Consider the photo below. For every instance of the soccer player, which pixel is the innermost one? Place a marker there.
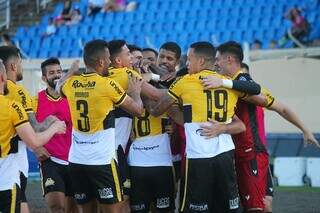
(53, 157)
(120, 71)
(151, 171)
(12, 60)
(15, 124)
(210, 182)
(150, 55)
(92, 97)
(136, 53)
(252, 163)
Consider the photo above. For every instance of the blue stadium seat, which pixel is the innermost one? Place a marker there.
(288, 147)
(33, 162)
(272, 144)
(62, 30)
(309, 151)
(43, 53)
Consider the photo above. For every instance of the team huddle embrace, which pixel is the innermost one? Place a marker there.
(122, 134)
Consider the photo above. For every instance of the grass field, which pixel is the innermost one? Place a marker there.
(286, 199)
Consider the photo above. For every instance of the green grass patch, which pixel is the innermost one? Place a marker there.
(297, 189)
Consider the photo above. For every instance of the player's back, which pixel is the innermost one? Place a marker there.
(91, 99)
(199, 105)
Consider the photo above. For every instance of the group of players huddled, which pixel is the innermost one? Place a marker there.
(123, 133)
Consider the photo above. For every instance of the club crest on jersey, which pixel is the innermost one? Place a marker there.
(89, 84)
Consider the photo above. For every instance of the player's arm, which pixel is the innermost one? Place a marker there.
(175, 113)
(243, 83)
(74, 70)
(132, 103)
(35, 140)
(213, 128)
(288, 114)
(151, 92)
(40, 127)
(161, 106)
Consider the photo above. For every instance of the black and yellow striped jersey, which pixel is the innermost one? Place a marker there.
(148, 125)
(199, 104)
(240, 75)
(20, 94)
(12, 116)
(91, 99)
(121, 75)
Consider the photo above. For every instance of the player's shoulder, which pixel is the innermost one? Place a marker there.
(242, 76)
(179, 80)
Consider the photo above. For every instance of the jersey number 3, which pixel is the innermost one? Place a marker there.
(83, 124)
(220, 105)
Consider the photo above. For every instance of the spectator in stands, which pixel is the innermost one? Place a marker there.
(256, 45)
(66, 14)
(114, 5)
(95, 6)
(6, 40)
(75, 18)
(299, 29)
(273, 44)
(50, 29)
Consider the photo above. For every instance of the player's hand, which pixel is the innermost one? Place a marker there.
(142, 66)
(212, 129)
(309, 138)
(211, 82)
(169, 76)
(169, 129)
(147, 76)
(75, 68)
(52, 118)
(135, 84)
(60, 127)
(42, 154)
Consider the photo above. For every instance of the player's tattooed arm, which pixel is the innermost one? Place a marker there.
(288, 114)
(40, 127)
(161, 106)
(175, 113)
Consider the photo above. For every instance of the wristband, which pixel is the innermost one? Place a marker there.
(155, 77)
(227, 83)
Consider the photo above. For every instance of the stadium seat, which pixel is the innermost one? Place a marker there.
(290, 171)
(288, 147)
(309, 151)
(313, 171)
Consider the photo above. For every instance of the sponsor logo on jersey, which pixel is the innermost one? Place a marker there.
(247, 197)
(89, 84)
(118, 90)
(49, 182)
(203, 207)
(18, 110)
(163, 202)
(79, 196)
(23, 98)
(146, 148)
(105, 193)
(234, 204)
(138, 207)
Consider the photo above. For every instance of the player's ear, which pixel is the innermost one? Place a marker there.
(44, 78)
(202, 60)
(117, 60)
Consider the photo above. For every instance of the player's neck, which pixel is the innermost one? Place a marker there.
(11, 77)
(52, 92)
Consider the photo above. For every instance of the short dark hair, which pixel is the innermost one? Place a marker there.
(133, 48)
(244, 66)
(233, 48)
(151, 50)
(49, 61)
(205, 49)
(115, 47)
(93, 50)
(7, 52)
(173, 47)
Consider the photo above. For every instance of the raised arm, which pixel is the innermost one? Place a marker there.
(74, 70)
(158, 108)
(288, 114)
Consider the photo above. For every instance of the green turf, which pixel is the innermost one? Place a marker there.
(297, 189)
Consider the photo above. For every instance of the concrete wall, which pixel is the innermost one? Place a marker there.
(294, 82)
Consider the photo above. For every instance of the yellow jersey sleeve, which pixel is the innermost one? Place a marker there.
(269, 96)
(176, 89)
(18, 114)
(116, 92)
(35, 103)
(26, 100)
